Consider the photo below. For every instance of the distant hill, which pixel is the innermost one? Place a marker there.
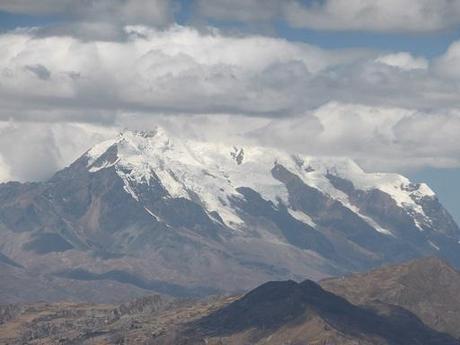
(427, 287)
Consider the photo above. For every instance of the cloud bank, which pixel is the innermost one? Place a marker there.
(62, 91)
(183, 70)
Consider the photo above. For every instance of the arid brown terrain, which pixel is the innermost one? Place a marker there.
(427, 287)
(413, 303)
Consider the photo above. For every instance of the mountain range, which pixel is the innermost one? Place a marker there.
(149, 211)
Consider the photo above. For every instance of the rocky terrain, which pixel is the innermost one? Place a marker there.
(426, 287)
(378, 312)
(147, 212)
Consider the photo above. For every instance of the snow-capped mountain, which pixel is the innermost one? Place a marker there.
(212, 173)
(182, 217)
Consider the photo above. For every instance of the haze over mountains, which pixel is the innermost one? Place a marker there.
(147, 211)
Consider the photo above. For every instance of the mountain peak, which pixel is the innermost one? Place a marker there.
(152, 135)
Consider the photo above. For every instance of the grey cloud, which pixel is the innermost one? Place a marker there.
(239, 10)
(30, 7)
(344, 15)
(127, 11)
(94, 19)
(150, 12)
(409, 16)
(375, 15)
(39, 70)
(84, 30)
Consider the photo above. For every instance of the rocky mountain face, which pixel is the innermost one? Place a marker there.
(280, 312)
(156, 213)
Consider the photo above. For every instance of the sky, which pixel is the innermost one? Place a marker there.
(374, 80)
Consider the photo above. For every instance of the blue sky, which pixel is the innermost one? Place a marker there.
(378, 81)
(428, 45)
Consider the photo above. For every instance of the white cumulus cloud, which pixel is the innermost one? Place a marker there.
(177, 70)
(59, 94)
